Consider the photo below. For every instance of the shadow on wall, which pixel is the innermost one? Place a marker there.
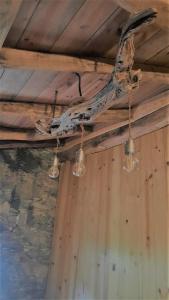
(27, 202)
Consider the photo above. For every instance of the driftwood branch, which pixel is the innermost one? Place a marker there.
(123, 79)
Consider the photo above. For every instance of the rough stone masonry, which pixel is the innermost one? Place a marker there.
(27, 207)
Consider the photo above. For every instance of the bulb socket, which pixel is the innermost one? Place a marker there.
(81, 155)
(129, 147)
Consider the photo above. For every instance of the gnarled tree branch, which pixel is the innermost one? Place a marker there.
(123, 79)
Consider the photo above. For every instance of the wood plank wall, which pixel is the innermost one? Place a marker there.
(110, 238)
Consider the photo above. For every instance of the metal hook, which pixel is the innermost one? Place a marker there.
(54, 104)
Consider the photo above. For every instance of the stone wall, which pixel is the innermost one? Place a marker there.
(27, 206)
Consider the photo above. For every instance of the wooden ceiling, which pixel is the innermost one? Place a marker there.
(80, 28)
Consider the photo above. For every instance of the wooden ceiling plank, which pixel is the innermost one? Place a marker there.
(94, 87)
(144, 109)
(29, 60)
(27, 9)
(61, 82)
(148, 89)
(91, 84)
(107, 36)
(162, 57)
(8, 12)
(112, 116)
(12, 81)
(68, 90)
(151, 47)
(37, 82)
(84, 24)
(161, 6)
(57, 15)
(156, 103)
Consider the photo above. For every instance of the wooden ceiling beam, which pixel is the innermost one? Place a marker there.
(9, 134)
(155, 121)
(118, 118)
(27, 144)
(29, 60)
(24, 116)
(23, 59)
(144, 109)
(162, 7)
(8, 12)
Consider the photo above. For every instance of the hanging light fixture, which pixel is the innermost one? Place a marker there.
(79, 168)
(43, 125)
(131, 161)
(54, 170)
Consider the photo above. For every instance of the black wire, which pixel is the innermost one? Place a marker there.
(54, 106)
(79, 83)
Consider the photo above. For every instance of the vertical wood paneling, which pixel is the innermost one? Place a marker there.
(111, 235)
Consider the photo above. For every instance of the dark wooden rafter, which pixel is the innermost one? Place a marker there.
(151, 122)
(123, 80)
(112, 120)
(24, 115)
(39, 61)
(14, 144)
(8, 134)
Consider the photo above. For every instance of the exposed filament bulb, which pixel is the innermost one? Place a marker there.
(79, 168)
(54, 170)
(131, 161)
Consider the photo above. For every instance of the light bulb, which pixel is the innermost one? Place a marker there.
(131, 161)
(54, 170)
(79, 168)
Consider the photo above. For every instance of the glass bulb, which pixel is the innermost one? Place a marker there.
(54, 170)
(131, 161)
(79, 168)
